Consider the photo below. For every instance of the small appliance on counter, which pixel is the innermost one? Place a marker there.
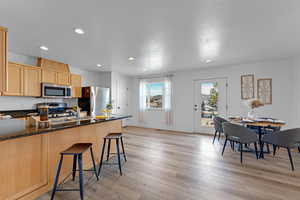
(53, 113)
(94, 99)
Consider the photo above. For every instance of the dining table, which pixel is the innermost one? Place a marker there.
(260, 124)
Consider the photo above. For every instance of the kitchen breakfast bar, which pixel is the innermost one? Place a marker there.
(29, 156)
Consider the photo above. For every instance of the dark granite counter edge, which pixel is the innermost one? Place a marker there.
(31, 132)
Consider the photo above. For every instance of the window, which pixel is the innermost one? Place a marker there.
(155, 95)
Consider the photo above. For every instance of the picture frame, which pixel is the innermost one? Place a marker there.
(264, 90)
(247, 86)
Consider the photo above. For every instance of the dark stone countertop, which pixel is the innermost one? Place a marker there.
(15, 128)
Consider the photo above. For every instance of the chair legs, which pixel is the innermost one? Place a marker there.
(274, 149)
(256, 151)
(219, 136)
(224, 146)
(241, 148)
(291, 159)
(215, 136)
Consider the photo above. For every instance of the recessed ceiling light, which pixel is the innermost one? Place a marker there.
(131, 58)
(79, 31)
(44, 48)
(99, 65)
(208, 61)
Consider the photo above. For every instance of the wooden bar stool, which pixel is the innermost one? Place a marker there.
(76, 151)
(109, 137)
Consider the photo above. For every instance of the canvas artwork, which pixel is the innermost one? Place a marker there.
(264, 90)
(247, 86)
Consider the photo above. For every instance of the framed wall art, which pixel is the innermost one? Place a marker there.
(247, 86)
(264, 90)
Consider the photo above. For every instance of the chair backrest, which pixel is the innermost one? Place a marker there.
(286, 138)
(218, 121)
(239, 132)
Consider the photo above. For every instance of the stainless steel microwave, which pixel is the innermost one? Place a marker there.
(56, 91)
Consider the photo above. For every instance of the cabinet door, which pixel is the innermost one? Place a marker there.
(63, 78)
(76, 85)
(49, 76)
(14, 82)
(3, 58)
(32, 81)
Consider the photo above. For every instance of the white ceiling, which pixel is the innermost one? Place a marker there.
(163, 35)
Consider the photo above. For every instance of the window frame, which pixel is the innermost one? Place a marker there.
(148, 108)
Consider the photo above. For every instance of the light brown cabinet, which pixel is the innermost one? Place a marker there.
(63, 78)
(32, 81)
(76, 85)
(22, 80)
(49, 76)
(14, 80)
(3, 58)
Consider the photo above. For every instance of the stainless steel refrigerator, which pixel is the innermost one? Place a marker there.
(94, 99)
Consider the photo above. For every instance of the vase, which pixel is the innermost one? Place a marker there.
(251, 114)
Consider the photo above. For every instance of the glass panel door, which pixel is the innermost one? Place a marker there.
(210, 101)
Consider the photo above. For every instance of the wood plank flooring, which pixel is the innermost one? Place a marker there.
(165, 165)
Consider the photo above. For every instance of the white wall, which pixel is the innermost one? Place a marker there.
(295, 105)
(89, 78)
(121, 92)
(19, 103)
(280, 71)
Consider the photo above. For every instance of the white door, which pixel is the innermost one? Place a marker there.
(210, 100)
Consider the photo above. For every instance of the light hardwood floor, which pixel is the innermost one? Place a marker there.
(166, 165)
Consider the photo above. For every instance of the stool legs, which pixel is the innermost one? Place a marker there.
(108, 150)
(94, 164)
(80, 177)
(123, 149)
(102, 155)
(74, 167)
(119, 158)
(57, 177)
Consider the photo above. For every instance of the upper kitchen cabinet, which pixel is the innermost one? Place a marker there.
(63, 78)
(14, 82)
(49, 76)
(76, 85)
(32, 81)
(3, 58)
(54, 72)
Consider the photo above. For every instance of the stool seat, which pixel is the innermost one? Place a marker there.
(76, 151)
(113, 136)
(77, 148)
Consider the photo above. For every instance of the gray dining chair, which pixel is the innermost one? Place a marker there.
(218, 121)
(241, 135)
(288, 139)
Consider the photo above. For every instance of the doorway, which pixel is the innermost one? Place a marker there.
(210, 99)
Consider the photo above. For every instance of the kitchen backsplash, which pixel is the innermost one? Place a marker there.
(22, 103)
